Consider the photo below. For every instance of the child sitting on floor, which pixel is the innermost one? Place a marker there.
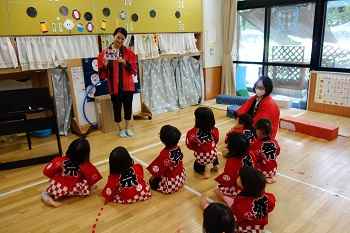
(168, 172)
(70, 175)
(203, 140)
(126, 182)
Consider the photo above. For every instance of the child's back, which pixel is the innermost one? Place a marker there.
(251, 213)
(126, 182)
(266, 150)
(203, 140)
(128, 187)
(168, 172)
(252, 205)
(71, 175)
(237, 158)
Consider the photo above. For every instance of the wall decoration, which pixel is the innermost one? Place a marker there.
(103, 25)
(32, 12)
(63, 10)
(178, 14)
(89, 27)
(80, 27)
(68, 24)
(152, 13)
(43, 27)
(106, 12)
(123, 15)
(76, 14)
(134, 17)
(88, 16)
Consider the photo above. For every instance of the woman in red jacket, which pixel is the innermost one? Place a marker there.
(117, 64)
(262, 106)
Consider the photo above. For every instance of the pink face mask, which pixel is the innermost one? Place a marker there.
(259, 92)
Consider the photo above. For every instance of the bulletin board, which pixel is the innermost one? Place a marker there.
(70, 17)
(329, 93)
(78, 92)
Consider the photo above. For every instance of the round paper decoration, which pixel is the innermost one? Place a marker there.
(32, 12)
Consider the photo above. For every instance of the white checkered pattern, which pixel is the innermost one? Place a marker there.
(228, 191)
(142, 196)
(57, 190)
(250, 229)
(206, 158)
(270, 174)
(171, 185)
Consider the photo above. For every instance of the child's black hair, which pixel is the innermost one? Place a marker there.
(246, 120)
(265, 126)
(169, 135)
(205, 119)
(237, 145)
(253, 182)
(79, 151)
(218, 218)
(119, 160)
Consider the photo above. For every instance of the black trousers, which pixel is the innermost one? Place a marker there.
(200, 169)
(124, 99)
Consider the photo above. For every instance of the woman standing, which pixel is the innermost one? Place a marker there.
(117, 64)
(262, 106)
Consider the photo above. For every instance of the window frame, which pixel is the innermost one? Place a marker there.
(317, 35)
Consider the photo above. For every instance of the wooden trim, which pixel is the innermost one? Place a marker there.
(323, 108)
(212, 82)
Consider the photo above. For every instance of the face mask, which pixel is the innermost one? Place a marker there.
(259, 92)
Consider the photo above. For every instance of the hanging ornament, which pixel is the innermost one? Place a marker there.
(68, 24)
(76, 14)
(89, 27)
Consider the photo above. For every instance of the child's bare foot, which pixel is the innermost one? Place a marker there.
(204, 202)
(215, 168)
(45, 197)
(271, 180)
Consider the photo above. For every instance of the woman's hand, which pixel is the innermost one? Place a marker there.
(121, 60)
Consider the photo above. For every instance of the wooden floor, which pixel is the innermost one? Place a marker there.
(312, 188)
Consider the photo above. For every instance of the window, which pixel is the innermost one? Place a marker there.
(251, 35)
(291, 31)
(246, 75)
(336, 46)
(290, 81)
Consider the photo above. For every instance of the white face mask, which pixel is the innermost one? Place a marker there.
(259, 92)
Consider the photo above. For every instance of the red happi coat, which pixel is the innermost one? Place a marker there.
(66, 175)
(266, 152)
(227, 180)
(249, 134)
(169, 167)
(267, 109)
(129, 187)
(205, 150)
(251, 213)
(105, 73)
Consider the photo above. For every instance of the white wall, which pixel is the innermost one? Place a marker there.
(213, 30)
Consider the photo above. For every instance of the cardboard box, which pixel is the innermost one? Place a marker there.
(105, 118)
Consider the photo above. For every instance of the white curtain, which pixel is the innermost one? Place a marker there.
(48, 52)
(8, 58)
(228, 86)
(146, 46)
(177, 43)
